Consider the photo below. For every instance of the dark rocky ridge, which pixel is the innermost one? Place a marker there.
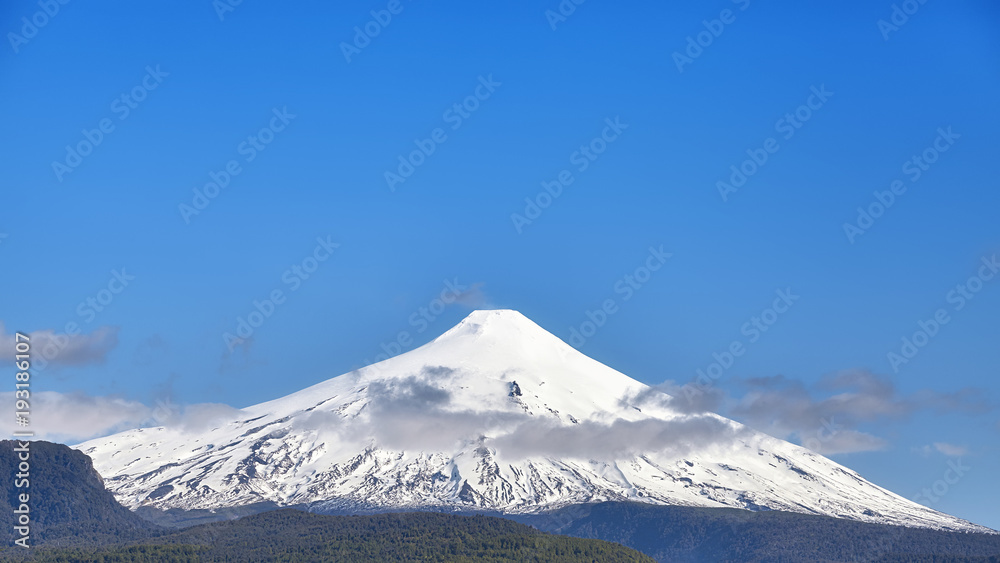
(68, 502)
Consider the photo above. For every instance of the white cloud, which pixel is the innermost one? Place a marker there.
(417, 413)
(621, 438)
(75, 417)
(474, 297)
(846, 442)
(950, 449)
(59, 349)
(826, 417)
(191, 418)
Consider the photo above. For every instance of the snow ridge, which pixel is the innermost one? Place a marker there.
(498, 414)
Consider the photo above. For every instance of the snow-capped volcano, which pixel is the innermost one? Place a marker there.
(494, 414)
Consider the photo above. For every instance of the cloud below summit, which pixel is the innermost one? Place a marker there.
(418, 413)
(75, 417)
(828, 416)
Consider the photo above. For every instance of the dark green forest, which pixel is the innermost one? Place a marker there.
(74, 518)
(68, 500)
(294, 536)
(688, 534)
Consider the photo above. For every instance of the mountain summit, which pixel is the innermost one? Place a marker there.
(494, 414)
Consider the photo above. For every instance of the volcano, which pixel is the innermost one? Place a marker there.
(495, 415)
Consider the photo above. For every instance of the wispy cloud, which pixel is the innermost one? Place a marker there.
(192, 418)
(75, 417)
(842, 441)
(617, 439)
(60, 349)
(474, 297)
(240, 358)
(678, 398)
(417, 413)
(950, 450)
(851, 398)
(830, 416)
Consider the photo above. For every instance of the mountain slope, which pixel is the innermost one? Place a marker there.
(688, 534)
(67, 500)
(290, 535)
(495, 414)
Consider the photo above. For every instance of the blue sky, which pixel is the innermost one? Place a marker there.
(204, 92)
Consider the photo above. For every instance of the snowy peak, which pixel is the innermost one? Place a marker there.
(502, 327)
(496, 413)
(491, 350)
(498, 320)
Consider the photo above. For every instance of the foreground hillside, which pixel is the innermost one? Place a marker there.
(292, 536)
(691, 534)
(664, 534)
(68, 502)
